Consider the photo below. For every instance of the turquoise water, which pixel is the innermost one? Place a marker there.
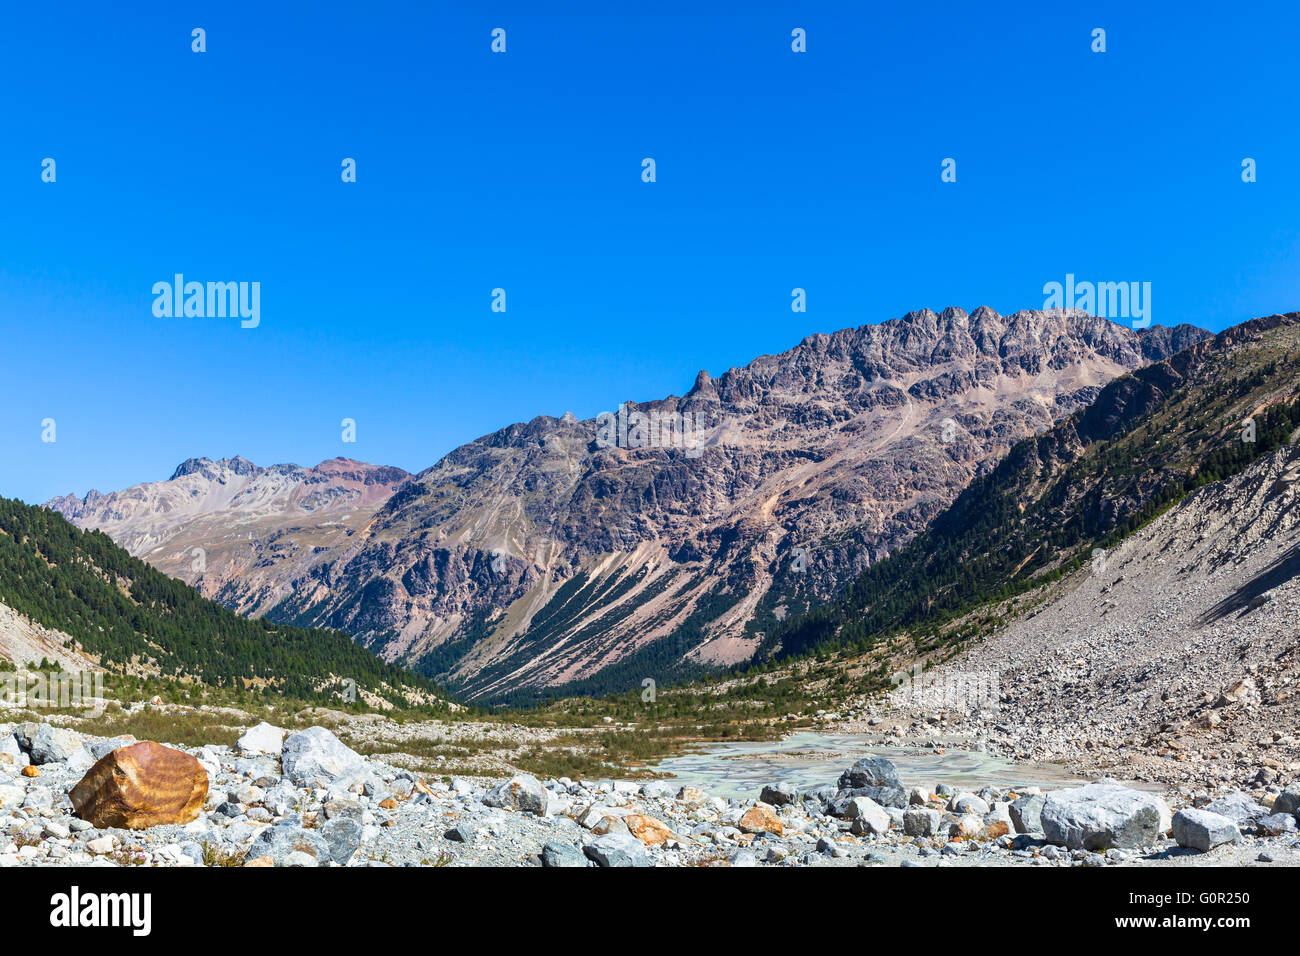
(813, 760)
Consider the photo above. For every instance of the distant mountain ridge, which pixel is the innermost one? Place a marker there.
(540, 557)
(214, 521)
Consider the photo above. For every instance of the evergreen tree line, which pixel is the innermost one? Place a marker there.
(127, 613)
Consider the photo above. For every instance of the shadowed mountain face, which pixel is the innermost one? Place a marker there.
(672, 536)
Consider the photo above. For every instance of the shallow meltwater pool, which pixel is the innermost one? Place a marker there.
(812, 760)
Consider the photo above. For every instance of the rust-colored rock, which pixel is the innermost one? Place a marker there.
(30, 772)
(649, 830)
(141, 786)
(260, 861)
(761, 818)
(388, 804)
(609, 823)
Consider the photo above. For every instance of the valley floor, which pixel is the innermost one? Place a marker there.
(355, 810)
(1172, 665)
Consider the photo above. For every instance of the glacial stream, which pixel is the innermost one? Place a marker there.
(812, 760)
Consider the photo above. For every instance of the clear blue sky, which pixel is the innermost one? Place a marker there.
(523, 171)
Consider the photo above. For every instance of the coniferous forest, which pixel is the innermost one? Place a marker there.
(134, 619)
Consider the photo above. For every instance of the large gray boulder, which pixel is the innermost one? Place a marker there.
(617, 849)
(1240, 808)
(1276, 824)
(1101, 816)
(870, 772)
(779, 794)
(17, 757)
(315, 755)
(523, 794)
(1288, 801)
(262, 739)
(868, 817)
(885, 796)
(45, 744)
(1027, 814)
(1203, 830)
(80, 761)
(280, 842)
(921, 822)
(964, 803)
(562, 855)
(343, 835)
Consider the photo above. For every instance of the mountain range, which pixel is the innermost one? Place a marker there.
(1065, 498)
(677, 536)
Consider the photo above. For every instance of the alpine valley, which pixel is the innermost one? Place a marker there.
(545, 558)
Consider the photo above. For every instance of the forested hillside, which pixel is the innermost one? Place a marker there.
(1149, 439)
(135, 619)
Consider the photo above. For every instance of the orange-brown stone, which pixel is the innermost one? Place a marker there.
(649, 830)
(761, 818)
(30, 771)
(141, 786)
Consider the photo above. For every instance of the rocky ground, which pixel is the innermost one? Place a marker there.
(305, 799)
(1174, 660)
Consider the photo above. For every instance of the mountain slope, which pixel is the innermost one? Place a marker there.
(543, 556)
(23, 642)
(214, 522)
(128, 617)
(664, 542)
(1148, 439)
(1177, 661)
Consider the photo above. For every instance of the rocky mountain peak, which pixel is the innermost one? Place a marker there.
(191, 466)
(208, 468)
(703, 388)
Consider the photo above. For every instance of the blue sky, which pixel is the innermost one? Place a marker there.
(523, 171)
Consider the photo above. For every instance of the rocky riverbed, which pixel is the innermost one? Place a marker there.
(306, 799)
